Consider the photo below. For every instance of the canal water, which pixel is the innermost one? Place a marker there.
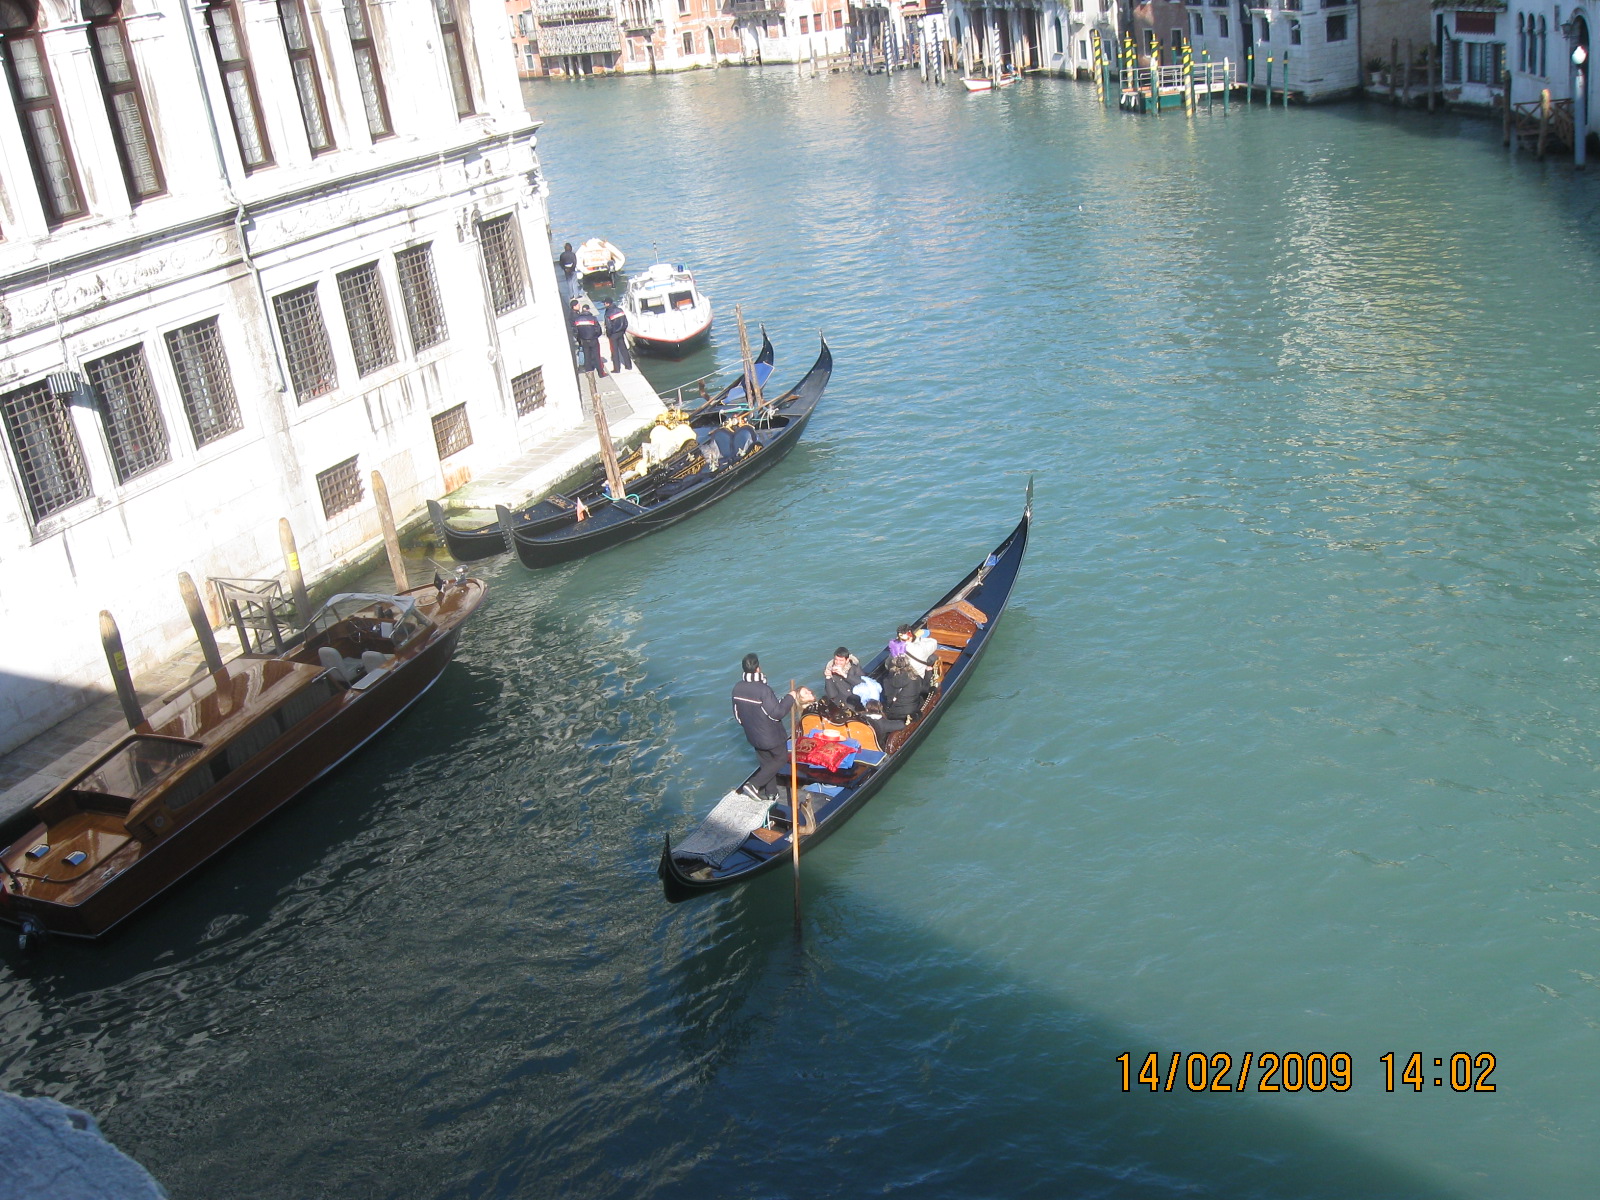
(1285, 747)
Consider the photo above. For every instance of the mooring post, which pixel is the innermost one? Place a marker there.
(1286, 80)
(201, 622)
(1544, 121)
(391, 538)
(1269, 81)
(1249, 76)
(1505, 83)
(1394, 67)
(291, 564)
(121, 677)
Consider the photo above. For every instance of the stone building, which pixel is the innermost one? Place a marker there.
(250, 251)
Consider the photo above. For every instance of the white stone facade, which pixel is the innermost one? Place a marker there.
(332, 259)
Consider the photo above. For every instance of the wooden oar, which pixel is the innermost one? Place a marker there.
(752, 386)
(794, 788)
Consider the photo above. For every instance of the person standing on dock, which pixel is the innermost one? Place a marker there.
(759, 711)
(617, 332)
(569, 268)
(586, 328)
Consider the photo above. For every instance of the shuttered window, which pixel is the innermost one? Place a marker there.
(125, 105)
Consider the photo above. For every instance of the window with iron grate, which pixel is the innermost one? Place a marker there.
(366, 313)
(204, 381)
(49, 457)
(127, 402)
(502, 260)
(527, 390)
(419, 290)
(368, 71)
(305, 343)
(340, 487)
(451, 433)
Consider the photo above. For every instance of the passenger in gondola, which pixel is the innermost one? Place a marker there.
(761, 714)
(841, 675)
(903, 693)
(922, 650)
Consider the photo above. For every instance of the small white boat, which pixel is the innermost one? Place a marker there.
(666, 312)
(599, 257)
(977, 85)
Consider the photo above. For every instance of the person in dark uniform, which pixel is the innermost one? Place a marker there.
(586, 328)
(759, 711)
(569, 266)
(617, 331)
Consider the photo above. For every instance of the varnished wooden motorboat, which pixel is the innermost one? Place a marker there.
(486, 538)
(723, 852)
(696, 477)
(222, 755)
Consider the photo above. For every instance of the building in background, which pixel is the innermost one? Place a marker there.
(249, 253)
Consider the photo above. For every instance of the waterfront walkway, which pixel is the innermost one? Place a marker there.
(37, 766)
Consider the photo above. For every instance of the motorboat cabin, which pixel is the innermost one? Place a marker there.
(667, 314)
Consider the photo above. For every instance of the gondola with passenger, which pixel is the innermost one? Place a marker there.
(745, 836)
(720, 459)
(488, 538)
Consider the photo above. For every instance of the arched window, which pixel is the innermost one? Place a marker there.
(114, 70)
(303, 64)
(1056, 28)
(1522, 42)
(1543, 34)
(28, 76)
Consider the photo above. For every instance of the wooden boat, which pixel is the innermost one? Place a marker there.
(977, 85)
(599, 263)
(701, 474)
(667, 314)
(488, 537)
(740, 840)
(224, 754)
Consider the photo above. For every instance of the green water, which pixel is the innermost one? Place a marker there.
(1284, 746)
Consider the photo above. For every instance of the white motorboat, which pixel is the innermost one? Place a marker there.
(666, 312)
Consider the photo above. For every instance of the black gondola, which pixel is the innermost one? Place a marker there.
(697, 476)
(722, 853)
(488, 538)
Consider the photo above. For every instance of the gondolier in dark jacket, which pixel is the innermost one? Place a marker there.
(759, 711)
(586, 328)
(617, 331)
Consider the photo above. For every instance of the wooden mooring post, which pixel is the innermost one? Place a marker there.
(121, 677)
(391, 537)
(291, 566)
(201, 622)
(1544, 121)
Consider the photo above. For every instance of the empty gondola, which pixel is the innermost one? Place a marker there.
(484, 538)
(719, 461)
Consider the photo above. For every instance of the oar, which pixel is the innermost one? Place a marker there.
(794, 790)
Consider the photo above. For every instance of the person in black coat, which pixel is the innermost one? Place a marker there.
(840, 676)
(903, 693)
(586, 328)
(569, 266)
(617, 332)
(761, 714)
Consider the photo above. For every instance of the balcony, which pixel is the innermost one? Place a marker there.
(553, 11)
(589, 37)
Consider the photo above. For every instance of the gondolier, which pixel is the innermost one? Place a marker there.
(761, 714)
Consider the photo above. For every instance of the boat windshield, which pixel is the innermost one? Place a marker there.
(392, 617)
(682, 299)
(135, 768)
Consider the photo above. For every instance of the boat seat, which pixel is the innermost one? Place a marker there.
(374, 666)
(345, 670)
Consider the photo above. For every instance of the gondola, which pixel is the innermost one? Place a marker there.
(704, 472)
(488, 538)
(741, 838)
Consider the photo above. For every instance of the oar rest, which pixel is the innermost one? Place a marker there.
(954, 625)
